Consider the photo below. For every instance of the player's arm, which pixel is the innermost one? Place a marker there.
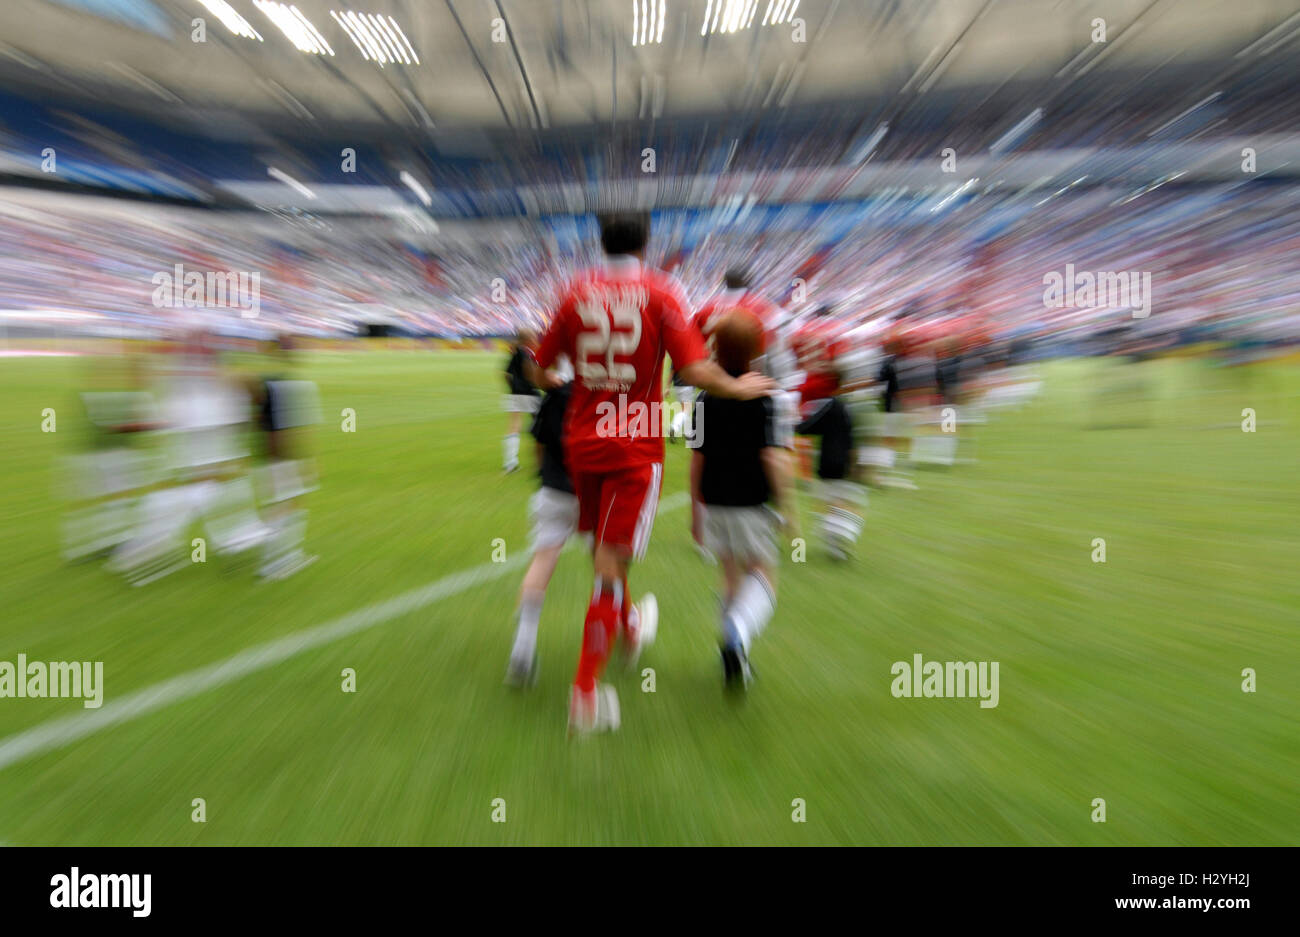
(697, 472)
(709, 376)
(685, 346)
(540, 377)
(554, 342)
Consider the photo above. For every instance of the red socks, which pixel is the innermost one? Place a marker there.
(605, 614)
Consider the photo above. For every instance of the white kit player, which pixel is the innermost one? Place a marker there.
(285, 409)
(204, 418)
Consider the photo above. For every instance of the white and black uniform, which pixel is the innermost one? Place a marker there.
(554, 507)
(521, 396)
(287, 406)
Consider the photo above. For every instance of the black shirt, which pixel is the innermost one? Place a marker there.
(515, 375)
(831, 421)
(732, 435)
(889, 377)
(548, 429)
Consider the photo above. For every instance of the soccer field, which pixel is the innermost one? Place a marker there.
(1119, 680)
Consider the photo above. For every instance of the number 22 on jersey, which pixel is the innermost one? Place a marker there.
(611, 327)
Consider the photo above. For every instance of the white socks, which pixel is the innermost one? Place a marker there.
(752, 608)
(229, 515)
(530, 616)
(838, 523)
(511, 451)
(285, 538)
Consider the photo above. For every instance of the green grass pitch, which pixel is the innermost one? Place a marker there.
(1120, 681)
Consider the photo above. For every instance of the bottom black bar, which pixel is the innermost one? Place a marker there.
(299, 886)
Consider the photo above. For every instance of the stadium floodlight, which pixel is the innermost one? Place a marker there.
(413, 184)
(281, 176)
(296, 27)
(648, 21)
(231, 19)
(378, 38)
(731, 16)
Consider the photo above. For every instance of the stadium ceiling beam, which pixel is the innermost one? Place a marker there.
(562, 61)
(751, 80)
(505, 113)
(328, 66)
(407, 94)
(523, 72)
(1216, 84)
(1102, 50)
(926, 74)
(47, 73)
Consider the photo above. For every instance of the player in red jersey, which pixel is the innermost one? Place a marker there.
(737, 294)
(827, 359)
(818, 343)
(615, 324)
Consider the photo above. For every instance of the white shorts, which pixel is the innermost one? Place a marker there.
(520, 403)
(743, 534)
(554, 514)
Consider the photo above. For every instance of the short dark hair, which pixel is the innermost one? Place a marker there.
(736, 278)
(625, 232)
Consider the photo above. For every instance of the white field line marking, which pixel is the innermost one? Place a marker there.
(63, 731)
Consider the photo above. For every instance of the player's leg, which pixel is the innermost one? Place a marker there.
(819, 420)
(155, 547)
(640, 620)
(731, 573)
(510, 445)
(787, 421)
(621, 522)
(286, 484)
(103, 486)
(600, 625)
(753, 553)
(522, 670)
(594, 706)
(227, 505)
(842, 519)
(729, 640)
(555, 517)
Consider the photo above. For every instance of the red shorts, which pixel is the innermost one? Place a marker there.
(618, 508)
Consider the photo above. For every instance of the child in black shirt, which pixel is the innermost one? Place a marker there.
(739, 473)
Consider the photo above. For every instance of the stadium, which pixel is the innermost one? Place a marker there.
(966, 513)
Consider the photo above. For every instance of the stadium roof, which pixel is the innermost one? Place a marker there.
(484, 65)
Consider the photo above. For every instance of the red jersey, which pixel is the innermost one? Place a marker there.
(817, 343)
(615, 324)
(706, 320)
(908, 338)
